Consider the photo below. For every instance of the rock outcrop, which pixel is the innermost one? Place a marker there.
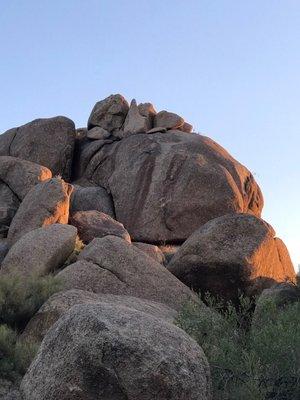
(48, 142)
(231, 253)
(112, 351)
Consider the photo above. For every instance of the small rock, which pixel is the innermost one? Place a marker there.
(91, 198)
(109, 113)
(152, 251)
(40, 251)
(98, 133)
(188, 128)
(168, 120)
(157, 129)
(135, 122)
(94, 224)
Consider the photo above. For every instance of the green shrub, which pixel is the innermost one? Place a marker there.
(20, 298)
(248, 364)
(15, 355)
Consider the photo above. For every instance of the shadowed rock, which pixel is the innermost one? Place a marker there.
(48, 142)
(40, 251)
(109, 113)
(109, 351)
(94, 224)
(230, 253)
(91, 198)
(112, 265)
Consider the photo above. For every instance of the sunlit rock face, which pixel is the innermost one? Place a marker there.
(232, 253)
(47, 203)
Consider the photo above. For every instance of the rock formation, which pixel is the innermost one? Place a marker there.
(161, 210)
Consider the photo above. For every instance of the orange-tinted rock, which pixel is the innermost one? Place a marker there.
(47, 203)
(231, 253)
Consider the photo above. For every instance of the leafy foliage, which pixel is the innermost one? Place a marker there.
(248, 363)
(15, 355)
(20, 298)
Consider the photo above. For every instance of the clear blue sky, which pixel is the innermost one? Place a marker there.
(232, 68)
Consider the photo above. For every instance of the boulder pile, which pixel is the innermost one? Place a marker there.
(161, 212)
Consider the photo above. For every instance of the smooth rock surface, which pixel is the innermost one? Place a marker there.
(113, 266)
(166, 185)
(97, 133)
(48, 142)
(113, 352)
(230, 253)
(47, 203)
(59, 303)
(95, 224)
(135, 122)
(168, 120)
(109, 113)
(91, 198)
(40, 251)
(21, 175)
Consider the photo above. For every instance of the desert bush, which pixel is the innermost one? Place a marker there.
(248, 364)
(15, 355)
(20, 298)
(79, 246)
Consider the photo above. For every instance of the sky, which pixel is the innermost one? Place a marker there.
(231, 68)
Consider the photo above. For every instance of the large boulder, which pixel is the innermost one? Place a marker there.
(114, 352)
(59, 303)
(40, 251)
(91, 198)
(21, 175)
(166, 185)
(109, 114)
(47, 203)
(231, 253)
(111, 265)
(95, 224)
(3, 249)
(48, 142)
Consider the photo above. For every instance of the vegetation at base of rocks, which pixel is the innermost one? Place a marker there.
(15, 355)
(20, 298)
(79, 246)
(247, 362)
